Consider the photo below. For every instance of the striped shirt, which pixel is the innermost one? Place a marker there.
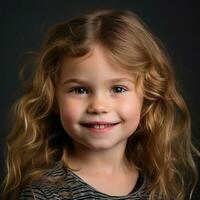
(60, 184)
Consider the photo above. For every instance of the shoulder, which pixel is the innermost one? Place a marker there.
(32, 191)
(47, 187)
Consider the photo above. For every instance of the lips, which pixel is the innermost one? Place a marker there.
(99, 125)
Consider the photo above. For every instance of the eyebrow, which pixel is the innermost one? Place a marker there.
(75, 80)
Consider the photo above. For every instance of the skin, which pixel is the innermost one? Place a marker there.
(101, 91)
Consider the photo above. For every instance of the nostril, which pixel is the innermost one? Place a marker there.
(97, 109)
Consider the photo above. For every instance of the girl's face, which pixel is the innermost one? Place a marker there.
(97, 101)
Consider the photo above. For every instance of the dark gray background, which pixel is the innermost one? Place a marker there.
(23, 24)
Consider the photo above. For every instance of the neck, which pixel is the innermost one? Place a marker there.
(106, 161)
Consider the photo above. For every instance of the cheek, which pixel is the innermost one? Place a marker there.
(70, 111)
(130, 109)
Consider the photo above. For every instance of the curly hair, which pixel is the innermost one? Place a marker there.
(161, 145)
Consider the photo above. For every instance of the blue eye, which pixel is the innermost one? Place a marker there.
(118, 89)
(79, 90)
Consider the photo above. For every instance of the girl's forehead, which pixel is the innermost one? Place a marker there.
(97, 60)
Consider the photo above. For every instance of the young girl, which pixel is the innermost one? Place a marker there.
(102, 118)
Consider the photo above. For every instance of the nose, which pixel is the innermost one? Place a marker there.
(98, 105)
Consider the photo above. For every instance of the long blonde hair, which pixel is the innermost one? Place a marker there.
(161, 146)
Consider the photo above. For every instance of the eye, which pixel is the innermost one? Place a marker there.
(79, 90)
(118, 89)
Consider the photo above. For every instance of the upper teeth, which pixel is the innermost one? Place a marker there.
(100, 126)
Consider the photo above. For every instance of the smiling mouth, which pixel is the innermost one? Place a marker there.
(99, 125)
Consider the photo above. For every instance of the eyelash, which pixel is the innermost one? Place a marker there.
(83, 90)
(76, 90)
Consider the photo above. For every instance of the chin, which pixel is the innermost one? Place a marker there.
(101, 146)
